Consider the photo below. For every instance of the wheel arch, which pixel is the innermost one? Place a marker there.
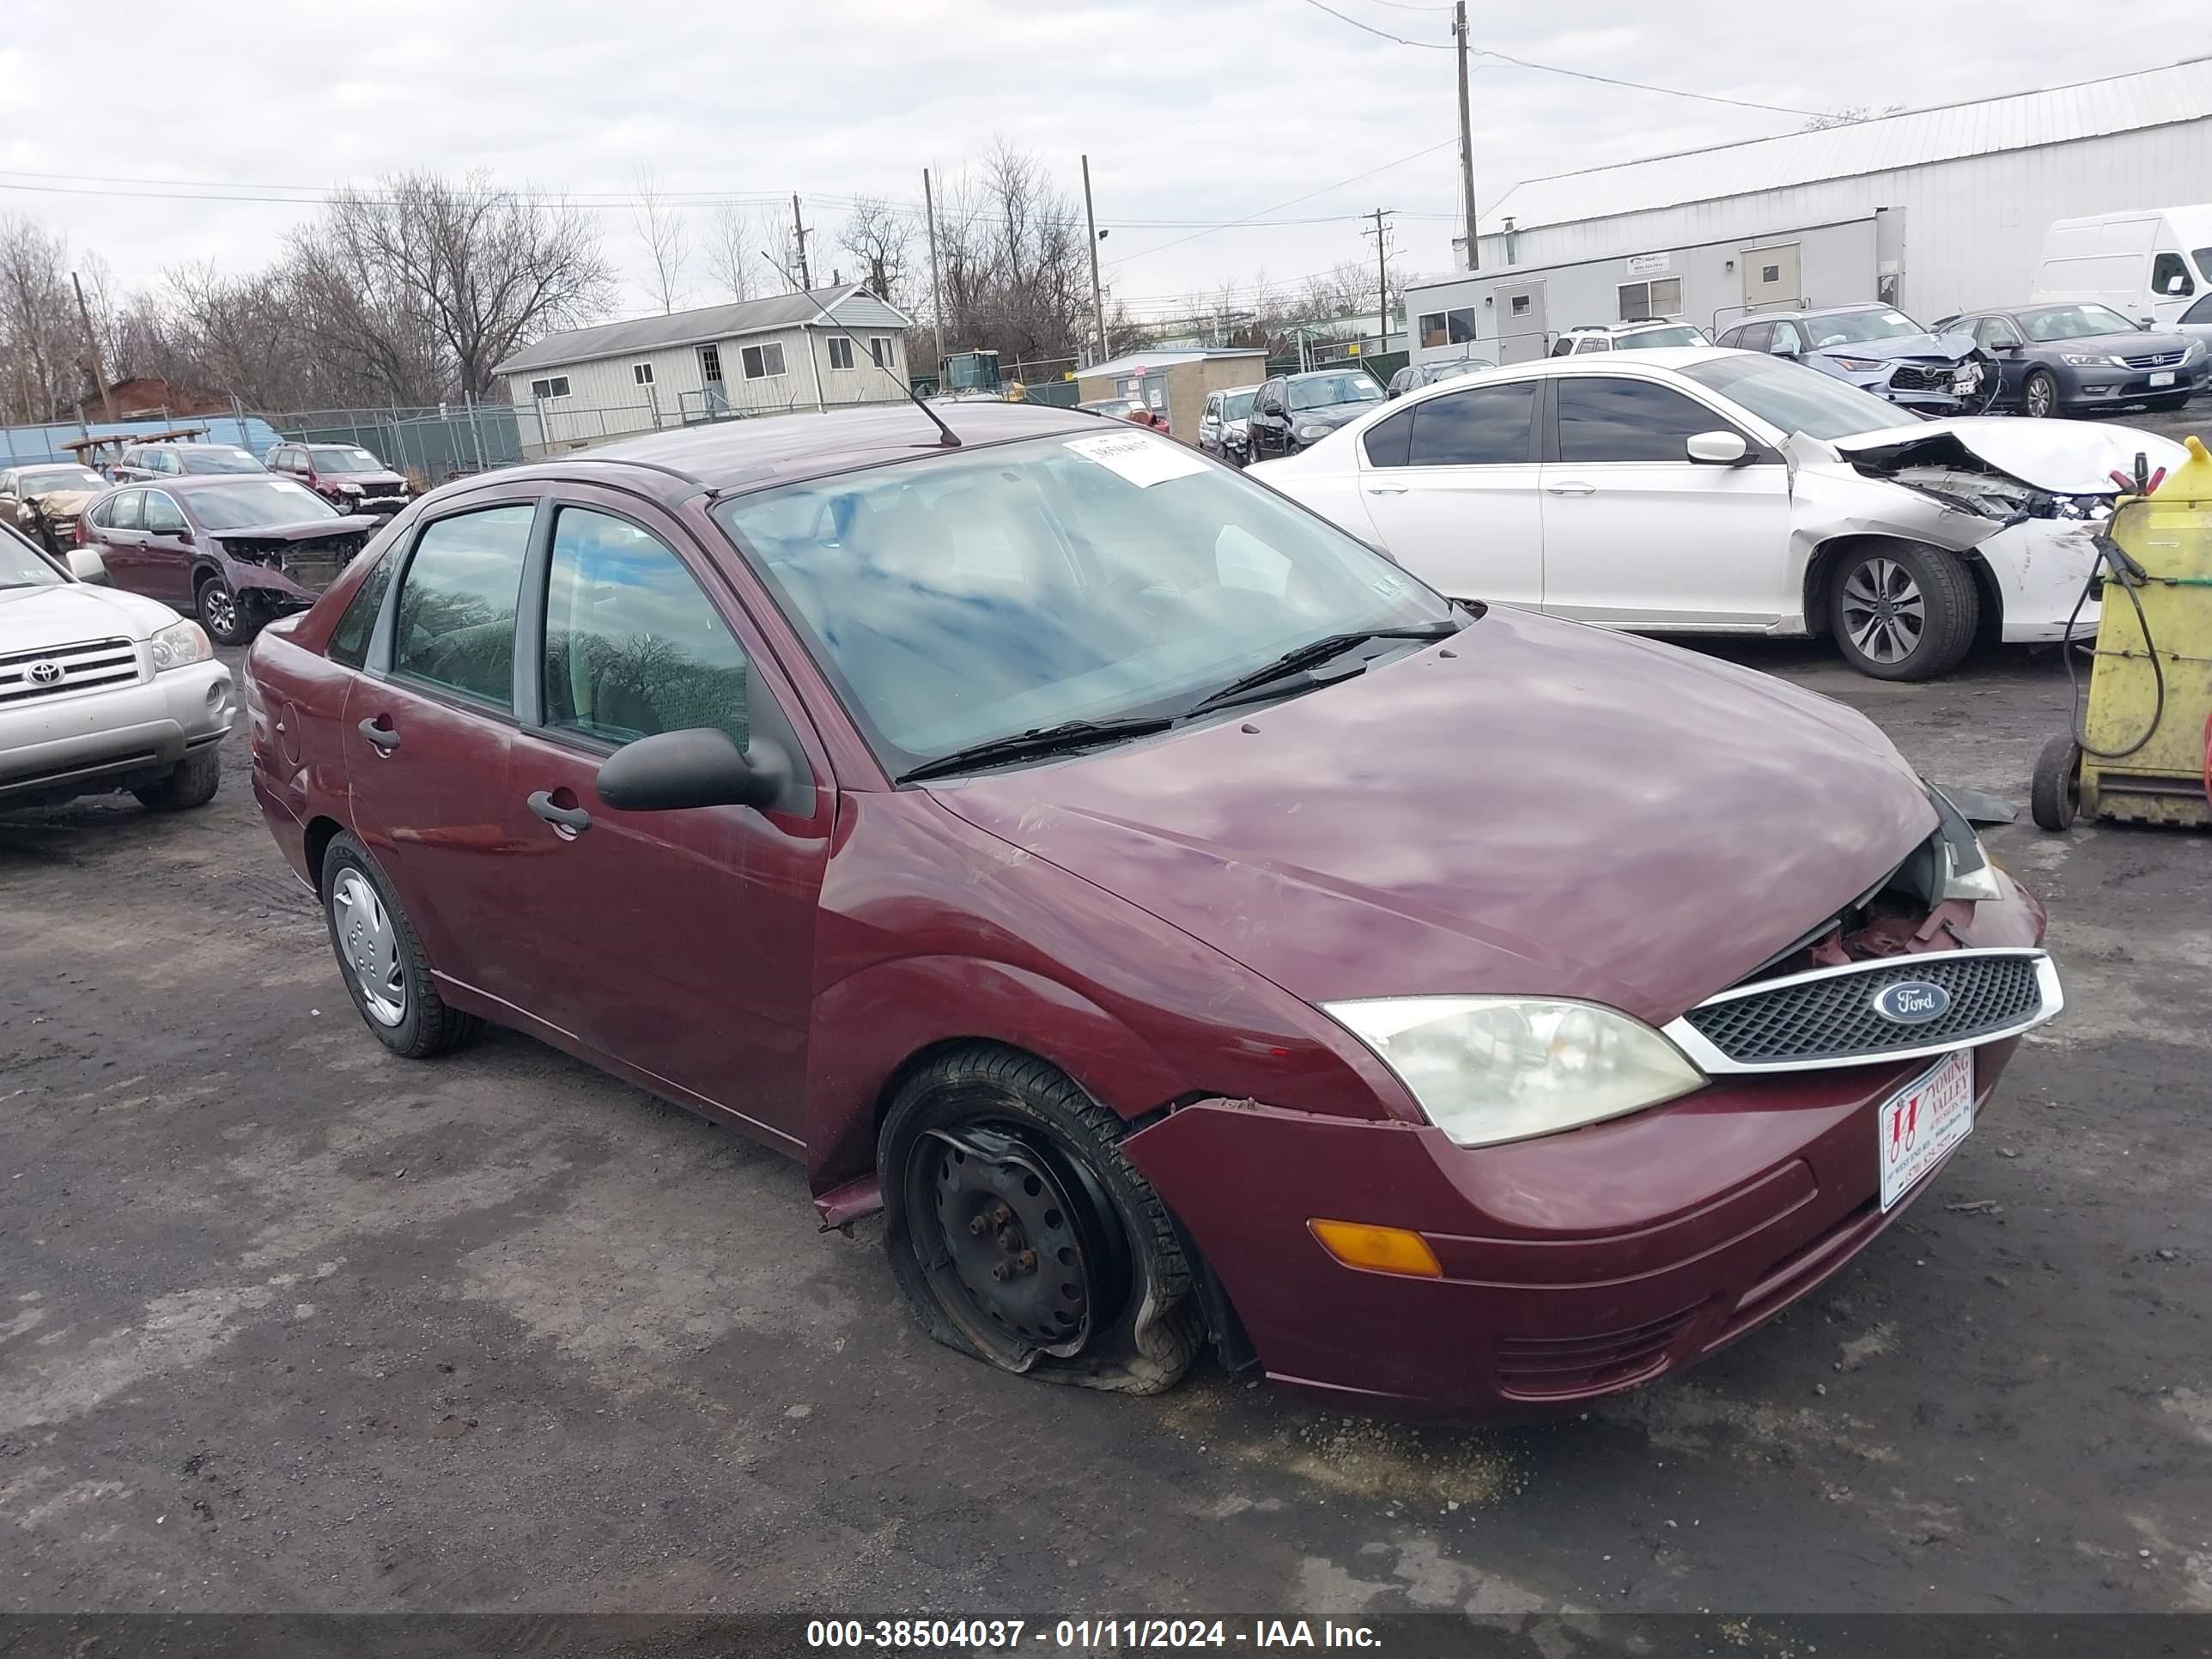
(1827, 557)
(320, 831)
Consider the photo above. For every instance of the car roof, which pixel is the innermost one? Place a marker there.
(188, 481)
(1815, 311)
(739, 456)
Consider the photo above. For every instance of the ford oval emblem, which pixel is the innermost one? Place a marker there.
(1912, 1002)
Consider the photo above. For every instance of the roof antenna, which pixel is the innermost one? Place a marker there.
(952, 439)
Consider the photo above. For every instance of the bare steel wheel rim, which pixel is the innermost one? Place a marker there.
(221, 609)
(1885, 613)
(370, 944)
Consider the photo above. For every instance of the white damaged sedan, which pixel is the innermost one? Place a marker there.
(1701, 490)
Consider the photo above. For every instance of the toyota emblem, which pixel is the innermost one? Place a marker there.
(45, 673)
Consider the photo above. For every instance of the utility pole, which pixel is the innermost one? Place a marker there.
(1097, 294)
(798, 229)
(936, 296)
(1381, 235)
(1466, 137)
(92, 343)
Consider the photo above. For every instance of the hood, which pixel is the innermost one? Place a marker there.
(2066, 457)
(1550, 810)
(67, 503)
(65, 612)
(315, 530)
(1940, 347)
(2124, 343)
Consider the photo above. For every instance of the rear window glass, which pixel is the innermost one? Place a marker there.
(349, 639)
(1482, 426)
(1388, 441)
(457, 603)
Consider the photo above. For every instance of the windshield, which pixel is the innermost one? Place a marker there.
(264, 501)
(1674, 334)
(344, 458)
(1848, 327)
(23, 565)
(1320, 390)
(1238, 405)
(1002, 591)
(1797, 398)
(2072, 322)
(216, 457)
(36, 481)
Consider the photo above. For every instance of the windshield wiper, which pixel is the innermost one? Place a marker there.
(1028, 745)
(1311, 654)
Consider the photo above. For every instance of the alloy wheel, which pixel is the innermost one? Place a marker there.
(221, 609)
(2040, 397)
(370, 944)
(1884, 612)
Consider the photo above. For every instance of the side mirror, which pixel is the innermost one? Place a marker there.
(2011, 347)
(86, 566)
(1718, 448)
(671, 771)
(2143, 323)
(1782, 349)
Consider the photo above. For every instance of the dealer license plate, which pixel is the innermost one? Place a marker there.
(1922, 1121)
(2164, 377)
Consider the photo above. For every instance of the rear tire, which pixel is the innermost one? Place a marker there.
(1902, 611)
(2055, 797)
(193, 783)
(1023, 1236)
(381, 960)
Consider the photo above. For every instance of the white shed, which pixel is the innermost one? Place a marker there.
(752, 358)
(1935, 211)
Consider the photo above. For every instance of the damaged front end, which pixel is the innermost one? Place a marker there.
(297, 567)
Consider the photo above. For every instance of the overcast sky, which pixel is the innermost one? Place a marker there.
(1196, 111)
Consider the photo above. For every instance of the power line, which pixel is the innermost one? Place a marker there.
(1384, 33)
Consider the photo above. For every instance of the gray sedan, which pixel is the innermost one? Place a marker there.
(2069, 358)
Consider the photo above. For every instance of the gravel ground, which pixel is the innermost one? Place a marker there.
(288, 1324)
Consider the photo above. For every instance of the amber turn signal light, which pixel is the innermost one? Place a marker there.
(1378, 1250)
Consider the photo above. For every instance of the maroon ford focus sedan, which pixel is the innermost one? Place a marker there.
(1180, 922)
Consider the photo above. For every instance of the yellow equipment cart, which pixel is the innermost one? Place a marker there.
(2141, 751)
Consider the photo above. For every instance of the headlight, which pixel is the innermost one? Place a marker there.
(1487, 1069)
(180, 645)
(1967, 872)
(1859, 365)
(2083, 359)
(2196, 349)
(350, 488)
(1308, 433)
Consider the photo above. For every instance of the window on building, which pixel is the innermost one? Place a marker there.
(762, 363)
(1520, 305)
(710, 364)
(1432, 329)
(1460, 325)
(879, 348)
(457, 603)
(1662, 297)
(841, 352)
(556, 386)
(2170, 277)
(642, 373)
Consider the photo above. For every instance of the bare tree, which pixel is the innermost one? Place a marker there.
(881, 237)
(731, 261)
(1850, 117)
(39, 337)
(661, 228)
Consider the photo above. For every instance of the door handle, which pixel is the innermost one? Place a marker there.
(574, 819)
(382, 736)
(1574, 487)
(1388, 490)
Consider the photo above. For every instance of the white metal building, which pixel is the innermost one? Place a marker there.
(1934, 211)
(754, 357)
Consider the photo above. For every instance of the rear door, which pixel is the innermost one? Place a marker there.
(112, 525)
(678, 943)
(427, 730)
(165, 549)
(1450, 483)
(1638, 535)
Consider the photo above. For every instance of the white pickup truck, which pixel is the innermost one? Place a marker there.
(102, 692)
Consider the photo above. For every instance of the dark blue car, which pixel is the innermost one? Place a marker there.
(2065, 359)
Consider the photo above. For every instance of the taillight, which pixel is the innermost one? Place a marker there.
(78, 533)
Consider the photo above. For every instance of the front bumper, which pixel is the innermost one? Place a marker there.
(1574, 1267)
(114, 739)
(2090, 385)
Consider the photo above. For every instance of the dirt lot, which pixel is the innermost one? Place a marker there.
(286, 1323)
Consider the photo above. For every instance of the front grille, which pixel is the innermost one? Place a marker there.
(2155, 360)
(1832, 1016)
(1906, 378)
(1537, 1367)
(51, 671)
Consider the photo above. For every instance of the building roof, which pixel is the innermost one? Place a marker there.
(2088, 109)
(1131, 361)
(851, 305)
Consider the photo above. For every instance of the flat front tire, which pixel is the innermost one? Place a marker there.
(1902, 611)
(1023, 1236)
(381, 960)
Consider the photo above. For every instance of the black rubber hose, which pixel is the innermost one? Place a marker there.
(2107, 553)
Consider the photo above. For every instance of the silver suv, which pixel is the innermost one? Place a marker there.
(100, 690)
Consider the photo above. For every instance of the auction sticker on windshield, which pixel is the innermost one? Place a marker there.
(1144, 461)
(1922, 1121)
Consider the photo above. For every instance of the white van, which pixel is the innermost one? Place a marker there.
(2148, 264)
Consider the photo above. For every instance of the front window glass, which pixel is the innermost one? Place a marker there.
(246, 504)
(1848, 327)
(1236, 405)
(21, 564)
(1321, 391)
(457, 603)
(344, 458)
(1602, 418)
(2169, 277)
(2073, 322)
(1797, 398)
(213, 457)
(632, 646)
(962, 597)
